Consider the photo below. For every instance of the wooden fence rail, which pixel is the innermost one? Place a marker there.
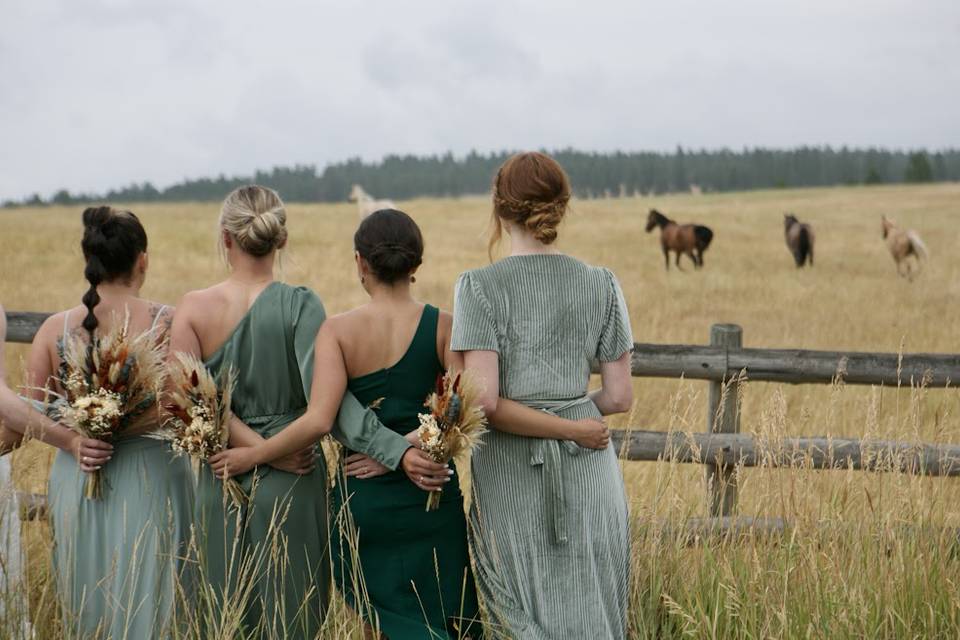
(729, 450)
(722, 448)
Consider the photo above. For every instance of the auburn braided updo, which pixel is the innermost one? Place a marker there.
(530, 190)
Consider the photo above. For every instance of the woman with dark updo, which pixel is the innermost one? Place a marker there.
(407, 571)
(117, 559)
(549, 534)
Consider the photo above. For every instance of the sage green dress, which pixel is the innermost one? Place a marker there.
(414, 578)
(549, 528)
(270, 558)
(119, 561)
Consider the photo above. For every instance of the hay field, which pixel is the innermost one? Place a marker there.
(863, 576)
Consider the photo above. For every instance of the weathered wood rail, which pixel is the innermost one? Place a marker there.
(725, 364)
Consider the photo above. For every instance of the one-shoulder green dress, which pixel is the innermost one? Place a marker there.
(414, 579)
(270, 559)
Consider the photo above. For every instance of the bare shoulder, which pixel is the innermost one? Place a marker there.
(54, 325)
(445, 320)
(201, 299)
(347, 323)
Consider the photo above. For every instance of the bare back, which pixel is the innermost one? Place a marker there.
(374, 337)
(212, 315)
(44, 359)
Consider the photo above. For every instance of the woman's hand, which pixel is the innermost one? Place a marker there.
(232, 462)
(591, 433)
(423, 471)
(301, 463)
(90, 454)
(363, 466)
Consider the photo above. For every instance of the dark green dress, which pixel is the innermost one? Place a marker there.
(414, 580)
(279, 542)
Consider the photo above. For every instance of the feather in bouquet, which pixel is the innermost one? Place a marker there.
(454, 425)
(198, 409)
(110, 382)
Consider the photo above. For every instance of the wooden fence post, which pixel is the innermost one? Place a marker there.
(723, 416)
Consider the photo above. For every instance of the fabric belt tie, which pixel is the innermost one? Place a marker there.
(547, 453)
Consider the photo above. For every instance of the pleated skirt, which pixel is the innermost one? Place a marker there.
(120, 560)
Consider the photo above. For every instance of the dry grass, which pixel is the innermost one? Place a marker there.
(851, 568)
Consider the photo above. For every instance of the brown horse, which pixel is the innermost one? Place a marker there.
(684, 239)
(902, 245)
(800, 239)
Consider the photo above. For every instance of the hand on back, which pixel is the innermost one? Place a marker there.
(591, 433)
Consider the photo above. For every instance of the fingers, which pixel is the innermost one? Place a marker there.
(372, 472)
(417, 469)
(356, 457)
(94, 457)
(432, 483)
(355, 469)
(424, 464)
(91, 443)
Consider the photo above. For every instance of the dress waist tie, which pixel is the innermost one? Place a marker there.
(547, 453)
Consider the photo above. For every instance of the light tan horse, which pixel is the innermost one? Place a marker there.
(367, 204)
(902, 245)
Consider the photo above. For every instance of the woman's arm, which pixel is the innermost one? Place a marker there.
(184, 338)
(513, 417)
(329, 383)
(13, 410)
(615, 394)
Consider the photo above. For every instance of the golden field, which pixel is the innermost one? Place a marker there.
(869, 573)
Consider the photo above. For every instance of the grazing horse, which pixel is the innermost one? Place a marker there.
(800, 239)
(902, 245)
(689, 239)
(366, 204)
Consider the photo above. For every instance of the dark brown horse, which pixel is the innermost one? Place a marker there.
(800, 239)
(685, 239)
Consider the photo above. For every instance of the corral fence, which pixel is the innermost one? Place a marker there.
(726, 365)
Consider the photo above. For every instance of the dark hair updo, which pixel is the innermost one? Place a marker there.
(391, 243)
(112, 242)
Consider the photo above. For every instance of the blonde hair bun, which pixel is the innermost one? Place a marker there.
(256, 218)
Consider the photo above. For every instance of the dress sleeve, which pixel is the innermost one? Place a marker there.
(474, 328)
(616, 337)
(356, 426)
(359, 428)
(309, 314)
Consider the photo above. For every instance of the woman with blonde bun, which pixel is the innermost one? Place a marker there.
(270, 558)
(549, 534)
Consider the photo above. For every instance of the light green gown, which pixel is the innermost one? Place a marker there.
(549, 535)
(270, 559)
(118, 560)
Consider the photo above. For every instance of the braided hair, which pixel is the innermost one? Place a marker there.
(530, 190)
(112, 242)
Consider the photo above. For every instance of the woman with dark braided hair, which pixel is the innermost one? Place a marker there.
(117, 560)
(550, 535)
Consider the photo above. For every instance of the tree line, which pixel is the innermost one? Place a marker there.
(592, 174)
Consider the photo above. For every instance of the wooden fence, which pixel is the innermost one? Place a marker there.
(726, 365)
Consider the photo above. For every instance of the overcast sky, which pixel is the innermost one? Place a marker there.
(97, 94)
